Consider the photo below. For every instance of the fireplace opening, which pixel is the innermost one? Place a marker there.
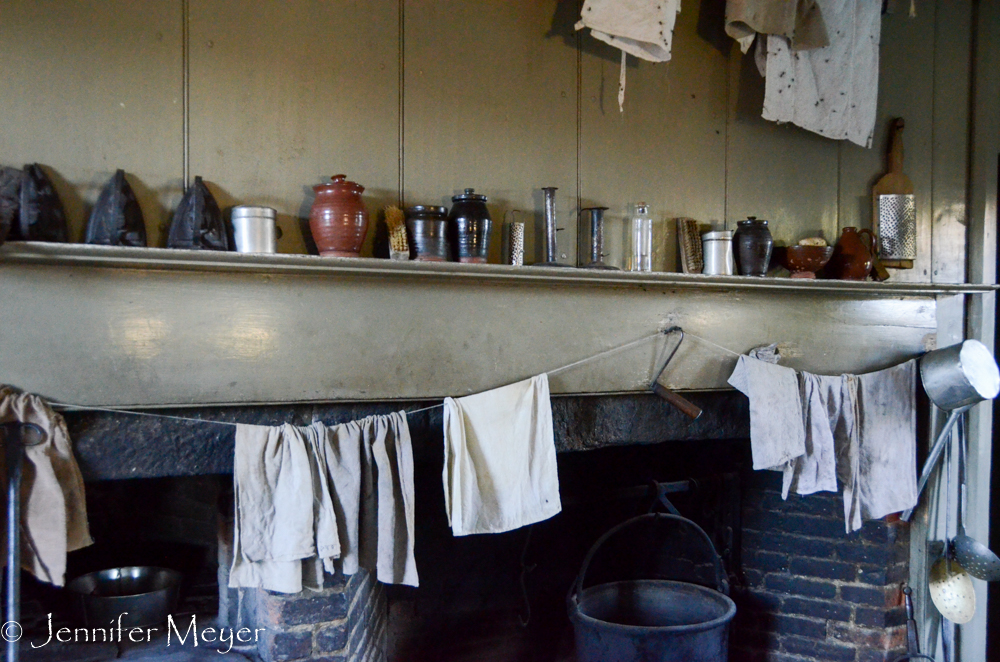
(805, 590)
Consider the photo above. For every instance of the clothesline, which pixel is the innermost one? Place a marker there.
(74, 408)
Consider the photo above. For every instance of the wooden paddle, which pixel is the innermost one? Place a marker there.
(894, 182)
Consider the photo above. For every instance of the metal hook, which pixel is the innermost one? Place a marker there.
(686, 406)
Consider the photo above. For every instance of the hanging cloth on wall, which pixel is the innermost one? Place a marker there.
(801, 22)
(500, 459)
(53, 503)
(320, 499)
(831, 91)
(643, 28)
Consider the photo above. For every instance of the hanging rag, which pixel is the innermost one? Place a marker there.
(823, 399)
(777, 435)
(318, 499)
(53, 503)
(643, 28)
(500, 459)
(800, 22)
(370, 466)
(831, 91)
(879, 466)
(284, 516)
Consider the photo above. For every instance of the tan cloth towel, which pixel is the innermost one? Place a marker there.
(53, 504)
(285, 520)
(800, 21)
(777, 434)
(500, 459)
(314, 499)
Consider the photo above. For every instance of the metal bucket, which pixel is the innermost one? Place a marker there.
(651, 619)
(960, 375)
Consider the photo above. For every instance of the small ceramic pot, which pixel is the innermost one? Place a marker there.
(469, 227)
(338, 219)
(427, 229)
(752, 245)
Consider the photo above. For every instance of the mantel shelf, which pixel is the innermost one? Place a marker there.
(213, 261)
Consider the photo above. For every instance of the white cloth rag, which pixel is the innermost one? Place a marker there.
(879, 469)
(500, 459)
(53, 504)
(643, 28)
(308, 496)
(800, 21)
(777, 435)
(831, 91)
(823, 398)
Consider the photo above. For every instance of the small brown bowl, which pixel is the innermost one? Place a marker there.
(805, 261)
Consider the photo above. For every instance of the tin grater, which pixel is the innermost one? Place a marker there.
(897, 226)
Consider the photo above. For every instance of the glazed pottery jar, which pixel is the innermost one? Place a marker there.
(752, 245)
(469, 227)
(852, 257)
(427, 230)
(338, 219)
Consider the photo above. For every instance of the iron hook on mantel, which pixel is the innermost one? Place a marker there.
(683, 404)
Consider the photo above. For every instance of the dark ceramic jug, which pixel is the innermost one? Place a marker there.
(852, 257)
(469, 227)
(427, 229)
(752, 244)
(338, 219)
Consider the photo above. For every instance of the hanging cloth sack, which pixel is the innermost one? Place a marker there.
(197, 223)
(41, 214)
(117, 217)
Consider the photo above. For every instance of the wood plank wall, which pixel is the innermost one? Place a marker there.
(419, 100)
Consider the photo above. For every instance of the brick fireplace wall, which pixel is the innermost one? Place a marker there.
(812, 592)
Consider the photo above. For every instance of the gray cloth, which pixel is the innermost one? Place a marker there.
(777, 435)
(314, 499)
(879, 470)
(800, 21)
(53, 505)
(816, 469)
(370, 463)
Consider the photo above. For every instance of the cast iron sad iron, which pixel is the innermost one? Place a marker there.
(41, 215)
(117, 217)
(10, 189)
(197, 223)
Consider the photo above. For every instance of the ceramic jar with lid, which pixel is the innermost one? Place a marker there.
(469, 227)
(338, 218)
(752, 245)
(427, 231)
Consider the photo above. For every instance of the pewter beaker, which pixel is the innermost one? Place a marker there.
(551, 250)
(591, 231)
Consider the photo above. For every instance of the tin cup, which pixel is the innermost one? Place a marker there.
(255, 229)
(717, 249)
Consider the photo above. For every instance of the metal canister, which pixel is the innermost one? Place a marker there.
(469, 227)
(717, 249)
(255, 229)
(426, 228)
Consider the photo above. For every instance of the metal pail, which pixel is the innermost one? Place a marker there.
(651, 619)
(960, 375)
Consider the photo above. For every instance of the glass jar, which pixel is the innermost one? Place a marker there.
(639, 238)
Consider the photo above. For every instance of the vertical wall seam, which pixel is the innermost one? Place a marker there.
(725, 143)
(579, 122)
(401, 95)
(186, 91)
(934, 114)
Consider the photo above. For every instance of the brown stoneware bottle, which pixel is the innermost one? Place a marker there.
(852, 257)
(338, 219)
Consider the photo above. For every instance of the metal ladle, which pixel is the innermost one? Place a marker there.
(977, 559)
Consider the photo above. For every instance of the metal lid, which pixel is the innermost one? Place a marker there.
(718, 235)
(753, 219)
(250, 211)
(425, 210)
(641, 208)
(469, 194)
